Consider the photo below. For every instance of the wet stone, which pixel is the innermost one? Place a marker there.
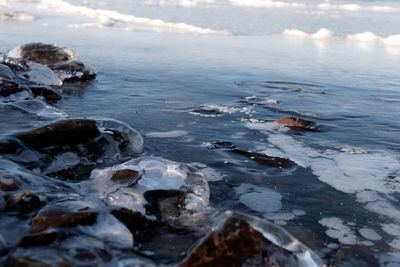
(25, 202)
(41, 239)
(46, 92)
(9, 87)
(126, 176)
(46, 260)
(60, 133)
(47, 53)
(236, 243)
(263, 159)
(9, 183)
(297, 123)
(162, 203)
(59, 216)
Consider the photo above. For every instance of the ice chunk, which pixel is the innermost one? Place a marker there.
(260, 199)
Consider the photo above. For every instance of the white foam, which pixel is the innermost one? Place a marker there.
(109, 18)
(337, 230)
(170, 134)
(183, 3)
(259, 199)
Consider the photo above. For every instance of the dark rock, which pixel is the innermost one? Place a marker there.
(141, 228)
(73, 71)
(168, 244)
(45, 260)
(48, 93)
(41, 239)
(9, 183)
(126, 176)
(47, 53)
(60, 133)
(6, 73)
(265, 159)
(61, 216)
(9, 87)
(236, 243)
(297, 123)
(25, 202)
(164, 202)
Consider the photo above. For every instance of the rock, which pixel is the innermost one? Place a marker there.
(40, 239)
(25, 202)
(9, 183)
(265, 159)
(48, 93)
(9, 87)
(43, 260)
(128, 176)
(56, 216)
(162, 203)
(60, 133)
(72, 71)
(43, 53)
(141, 228)
(297, 123)
(238, 240)
(6, 73)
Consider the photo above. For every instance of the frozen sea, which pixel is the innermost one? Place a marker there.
(204, 79)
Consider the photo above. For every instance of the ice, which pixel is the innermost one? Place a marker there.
(337, 230)
(369, 234)
(155, 174)
(259, 199)
(133, 143)
(109, 18)
(209, 174)
(108, 228)
(63, 161)
(170, 134)
(391, 229)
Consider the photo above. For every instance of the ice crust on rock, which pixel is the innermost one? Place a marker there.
(155, 174)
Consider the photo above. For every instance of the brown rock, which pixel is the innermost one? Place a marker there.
(25, 202)
(236, 243)
(48, 93)
(126, 176)
(46, 260)
(64, 132)
(9, 183)
(265, 159)
(296, 123)
(59, 216)
(41, 239)
(47, 53)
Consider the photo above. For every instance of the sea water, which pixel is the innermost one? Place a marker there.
(192, 74)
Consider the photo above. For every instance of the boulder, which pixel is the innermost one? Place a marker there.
(297, 123)
(25, 202)
(241, 240)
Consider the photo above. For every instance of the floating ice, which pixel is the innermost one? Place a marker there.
(259, 199)
(170, 134)
(363, 40)
(337, 230)
(209, 174)
(369, 234)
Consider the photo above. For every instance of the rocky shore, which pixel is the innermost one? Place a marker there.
(84, 192)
